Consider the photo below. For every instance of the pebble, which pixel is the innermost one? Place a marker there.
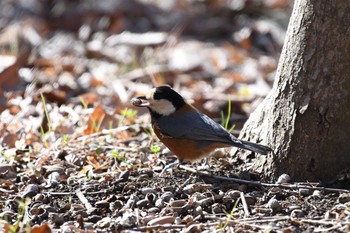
(30, 191)
(159, 203)
(304, 192)
(192, 188)
(147, 190)
(94, 218)
(198, 211)
(102, 204)
(142, 203)
(179, 205)
(124, 176)
(167, 196)
(274, 205)
(283, 179)
(161, 220)
(297, 213)
(344, 197)
(217, 208)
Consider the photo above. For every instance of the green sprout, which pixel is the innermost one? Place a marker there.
(127, 113)
(230, 215)
(155, 149)
(65, 139)
(225, 121)
(99, 151)
(48, 121)
(82, 101)
(118, 156)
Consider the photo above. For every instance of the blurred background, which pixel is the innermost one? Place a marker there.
(80, 54)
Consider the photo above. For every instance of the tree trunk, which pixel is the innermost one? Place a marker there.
(306, 117)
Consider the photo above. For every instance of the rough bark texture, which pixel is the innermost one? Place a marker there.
(306, 117)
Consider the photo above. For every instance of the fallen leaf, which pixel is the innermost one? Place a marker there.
(98, 120)
(43, 228)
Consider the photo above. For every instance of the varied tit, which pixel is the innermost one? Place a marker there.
(186, 131)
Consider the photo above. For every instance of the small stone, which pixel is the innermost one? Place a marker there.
(168, 189)
(304, 192)
(317, 194)
(283, 179)
(159, 203)
(162, 220)
(124, 176)
(217, 208)
(250, 200)
(142, 203)
(91, 211)
(104, 223)
(94, 218)
(118, 204)
(187, 219)
(148, 190)
(192, 188)
(274, 205)
(136, 101)
(30, 191)
(102, 204)
(205, 202)
(131, 202)
(198, 211)
(344, 197)
(153, 210)
(56, 218)
(297, 213)
(167, 196)
(179, 205)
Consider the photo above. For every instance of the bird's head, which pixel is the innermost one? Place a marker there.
(162, 100)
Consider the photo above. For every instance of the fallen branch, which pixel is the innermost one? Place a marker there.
(261, 184)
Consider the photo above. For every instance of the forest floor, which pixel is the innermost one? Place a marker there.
(76, 156)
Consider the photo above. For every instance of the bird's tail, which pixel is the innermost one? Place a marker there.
(254, 147)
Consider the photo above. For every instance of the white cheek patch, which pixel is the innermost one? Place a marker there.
(163, 107)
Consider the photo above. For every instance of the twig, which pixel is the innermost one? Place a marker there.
(322, 222)
(74, 193)
(245, 206)
(250, 222)
(108, 131)
(252, 219)
(260, 184)
(329, 229)
(83, 199)
(158, 227)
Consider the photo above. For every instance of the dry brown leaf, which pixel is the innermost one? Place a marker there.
(88, 98)
(10, 139)
(9, 78)
(43, 228)
(98, 120)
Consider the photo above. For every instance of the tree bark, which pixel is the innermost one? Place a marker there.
(306, 117)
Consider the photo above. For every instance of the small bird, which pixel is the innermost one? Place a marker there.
(187, 132)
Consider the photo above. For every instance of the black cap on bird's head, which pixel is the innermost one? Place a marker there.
(162, 100)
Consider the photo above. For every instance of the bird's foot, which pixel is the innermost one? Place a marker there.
(204, 165)
(170, 167)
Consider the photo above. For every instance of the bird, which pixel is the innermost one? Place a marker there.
(187, 132)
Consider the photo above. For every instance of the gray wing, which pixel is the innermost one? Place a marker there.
(196, 126)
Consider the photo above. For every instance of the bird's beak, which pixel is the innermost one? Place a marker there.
(141, 101)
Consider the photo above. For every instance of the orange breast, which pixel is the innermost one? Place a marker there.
(187, 150)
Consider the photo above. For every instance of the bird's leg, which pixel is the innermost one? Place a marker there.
(204, 164)
(170, 167)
